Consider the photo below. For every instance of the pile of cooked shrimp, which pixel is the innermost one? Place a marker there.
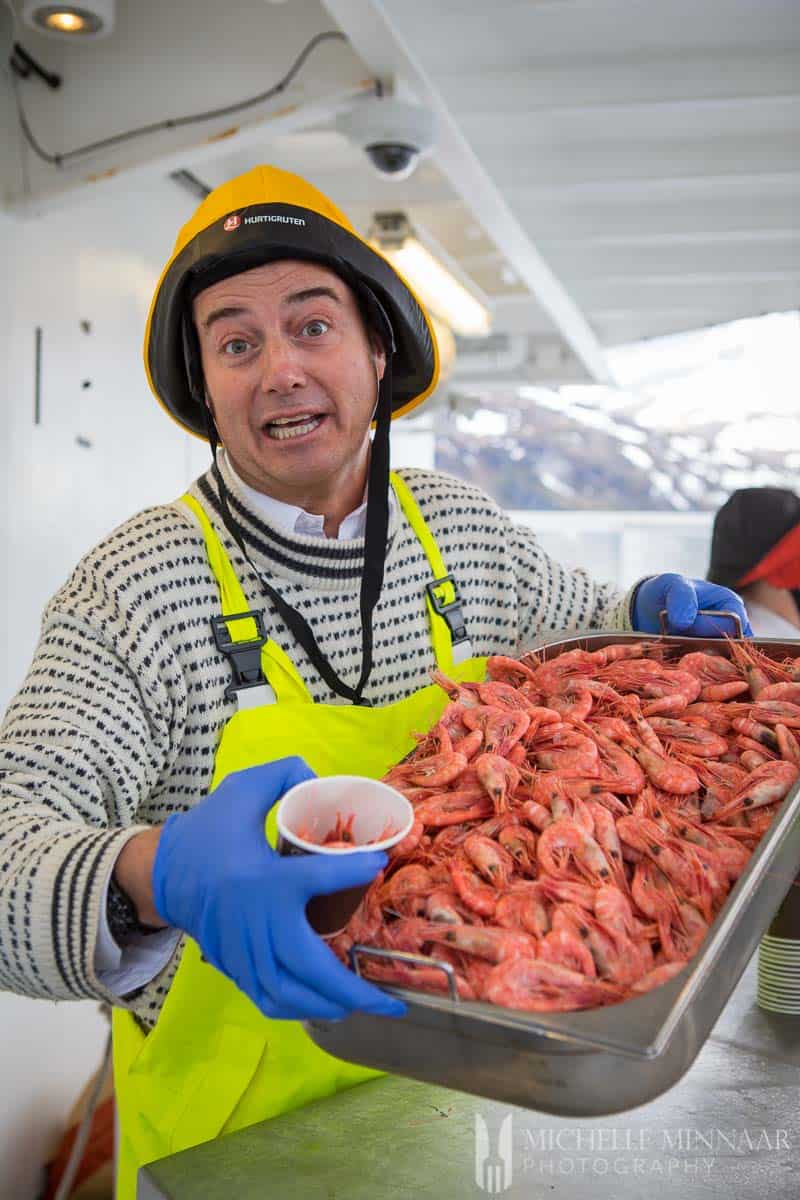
(580, 820)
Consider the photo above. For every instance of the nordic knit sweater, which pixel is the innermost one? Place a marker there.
(117, 722)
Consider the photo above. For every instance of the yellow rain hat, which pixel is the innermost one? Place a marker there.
(262, 216)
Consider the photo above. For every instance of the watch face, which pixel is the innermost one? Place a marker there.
(122, 919)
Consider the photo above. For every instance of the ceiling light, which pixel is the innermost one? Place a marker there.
(433, 277)
(88, 19)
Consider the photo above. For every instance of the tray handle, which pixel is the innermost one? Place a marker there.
(405, 956)
(706, 612)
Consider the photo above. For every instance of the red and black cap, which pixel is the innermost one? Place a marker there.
(757, 536)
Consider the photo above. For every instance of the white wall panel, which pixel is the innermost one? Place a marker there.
(96, 262)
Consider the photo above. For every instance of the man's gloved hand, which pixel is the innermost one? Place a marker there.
(682, 598)
(216, 877)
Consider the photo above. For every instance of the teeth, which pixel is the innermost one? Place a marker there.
(283, 434)
(291, 420)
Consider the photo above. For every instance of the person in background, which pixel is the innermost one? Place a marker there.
(755, 550)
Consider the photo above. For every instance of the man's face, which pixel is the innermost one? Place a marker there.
(292, 378)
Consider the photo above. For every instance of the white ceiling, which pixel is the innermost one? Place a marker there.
(636, 164)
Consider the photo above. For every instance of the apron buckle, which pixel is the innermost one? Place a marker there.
(449, 610)
(244, 653)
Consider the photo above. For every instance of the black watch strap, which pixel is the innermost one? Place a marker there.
(121, 913)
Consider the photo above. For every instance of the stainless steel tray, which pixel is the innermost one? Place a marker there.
(595, 1062)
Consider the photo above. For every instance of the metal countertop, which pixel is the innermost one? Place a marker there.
(729, 1130)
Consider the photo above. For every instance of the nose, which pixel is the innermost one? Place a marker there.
(281, 367)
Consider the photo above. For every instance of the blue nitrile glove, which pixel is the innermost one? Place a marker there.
(216, 877)
(682, 598)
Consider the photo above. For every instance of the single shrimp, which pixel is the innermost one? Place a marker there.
(427, 979)
(534, 986)
(487, 941)
(508, 670)
(407, 890)
(689, 738)
(562, 945)
(765, 785)
(761, 734)
(788, 692)
(442, 905)
(605, 832)
(661, 974)
(470, 887)
(438, 770)
(788, 744)
(502, 728)
(666, 773)
(520, 843)
(569, 752)
(494, 863)
(453, 808)
(523, 908)
(564, 842)
(537, 816)
(499, 777)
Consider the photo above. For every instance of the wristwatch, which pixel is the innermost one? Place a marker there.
(121, 914)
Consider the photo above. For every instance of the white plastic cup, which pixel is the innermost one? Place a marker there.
(312, 807)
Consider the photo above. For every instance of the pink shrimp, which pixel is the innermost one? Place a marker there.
(499, 777)
(428, 979)
(534, 986)
(487, 941)
(453, 808)
(494, 863)
(470, 887)
(788, 744)
(502, 728)
(666, 773)
(564, 842)
(564, 946)
(661, 974)
(765, 785)
(436, 771)
(689, 738)
(605, 832)
(508, 670)
(523, 907)
(407, 890)
(570, 752)
(407, 845)
(520, 842)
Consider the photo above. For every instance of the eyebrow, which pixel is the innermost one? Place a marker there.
(313, 293)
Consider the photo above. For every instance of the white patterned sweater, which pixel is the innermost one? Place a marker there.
(117, 722)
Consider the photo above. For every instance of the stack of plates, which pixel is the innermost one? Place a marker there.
(779, 974)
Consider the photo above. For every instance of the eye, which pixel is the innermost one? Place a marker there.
(235, 347)
(316, 328)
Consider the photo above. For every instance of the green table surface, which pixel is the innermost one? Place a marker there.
(729, 1130)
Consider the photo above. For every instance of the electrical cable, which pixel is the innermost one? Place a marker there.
(59, 160)
(82, 1136)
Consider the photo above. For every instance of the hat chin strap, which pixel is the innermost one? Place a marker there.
(375, 541)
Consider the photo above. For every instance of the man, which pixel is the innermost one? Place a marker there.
(755, 548)
(291, 604)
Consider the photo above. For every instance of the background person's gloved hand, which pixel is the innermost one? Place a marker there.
(216, 877)
(682, 598)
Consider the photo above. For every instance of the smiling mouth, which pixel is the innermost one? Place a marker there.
(283, 429)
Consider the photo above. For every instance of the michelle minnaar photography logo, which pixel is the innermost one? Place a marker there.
(505, 1155)
(494, 1160)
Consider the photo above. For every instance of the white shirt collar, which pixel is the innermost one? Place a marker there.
(292, 519)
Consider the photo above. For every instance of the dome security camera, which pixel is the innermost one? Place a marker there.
(393, 135)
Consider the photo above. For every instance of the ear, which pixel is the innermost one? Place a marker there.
(378, 355)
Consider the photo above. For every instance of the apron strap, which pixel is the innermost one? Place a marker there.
(239, 631)
(448, 632)
(240, 634)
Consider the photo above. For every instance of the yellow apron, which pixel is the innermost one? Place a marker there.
(213, 1063)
